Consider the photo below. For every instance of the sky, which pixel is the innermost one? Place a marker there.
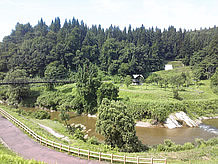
(188, 14)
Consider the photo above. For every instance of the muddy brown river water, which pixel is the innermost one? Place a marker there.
(154, 135)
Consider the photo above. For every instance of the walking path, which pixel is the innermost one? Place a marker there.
(24, 146)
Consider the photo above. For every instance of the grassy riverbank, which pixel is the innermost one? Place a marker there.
(202, 153)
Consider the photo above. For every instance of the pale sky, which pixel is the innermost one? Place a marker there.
(188, 14)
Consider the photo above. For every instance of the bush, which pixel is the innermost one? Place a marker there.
(78, 134)
(107, 90)
(161, 110)
(200, 142)
(212, 141)
(41, 114)
(187, 146)
(170, 146)
(3, 93)
(214, 82)
(23, 112)
(93, 140)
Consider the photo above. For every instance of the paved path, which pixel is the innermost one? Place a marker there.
(29, 149)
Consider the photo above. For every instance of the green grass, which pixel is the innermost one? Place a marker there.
(176, 64)
(155, 93)
(174, 71)
(9, 157)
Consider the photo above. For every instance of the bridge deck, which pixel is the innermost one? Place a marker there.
(37, 82)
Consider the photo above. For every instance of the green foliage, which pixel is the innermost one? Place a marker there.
(176, 94)
(117, 126)
(49, 100)
(3, 93)
(161, 110)
(204, 61)
(77, 105)
(128, 80)
(117, 79)
(17, 92)
(115, 51)
(214, 82)
(87, 84)
(41, 114)
(23, 112)
(2, 76)
(107, 90)
(170, 146)
(93, 140)
(55, 71)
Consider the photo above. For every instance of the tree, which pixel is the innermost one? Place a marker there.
(214, 82)
(55, 71)
(117, 126)
(107, 90)
(128, 80)
(64, 116)
(17, 92)
(87, 84)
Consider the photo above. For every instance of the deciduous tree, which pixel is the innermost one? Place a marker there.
(117, 126)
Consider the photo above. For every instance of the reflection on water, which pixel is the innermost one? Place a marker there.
(150, 136)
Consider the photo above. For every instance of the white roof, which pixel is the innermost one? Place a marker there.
(168, 66)
(135, 76)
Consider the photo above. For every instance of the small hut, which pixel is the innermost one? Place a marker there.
(137, 79)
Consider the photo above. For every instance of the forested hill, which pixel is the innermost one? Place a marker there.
(115, 51)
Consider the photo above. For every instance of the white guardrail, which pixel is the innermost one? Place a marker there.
(80, 152)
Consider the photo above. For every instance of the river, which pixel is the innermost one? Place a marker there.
(154, 135)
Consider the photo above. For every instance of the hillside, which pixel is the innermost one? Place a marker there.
(43, 49)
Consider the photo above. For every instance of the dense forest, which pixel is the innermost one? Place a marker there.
(43, 49)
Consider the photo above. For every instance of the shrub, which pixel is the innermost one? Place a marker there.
(78, 134)
(161, 110)
(199, 142)
(212, 141)
(187, 146)
(41, 114)
(93, 140)
(214, 82)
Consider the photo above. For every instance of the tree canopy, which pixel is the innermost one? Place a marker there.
(115, 51)
(117, 126)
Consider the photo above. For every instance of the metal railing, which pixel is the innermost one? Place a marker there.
(81, 152)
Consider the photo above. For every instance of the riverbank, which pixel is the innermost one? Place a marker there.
(200, 155)
(175, 120)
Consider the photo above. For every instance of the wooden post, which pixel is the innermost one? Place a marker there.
(165, 161)
(53, 145)
(137, 160)
(78, 151)
(111, 158)
(88, 154)
(152, 160)
(99, 156)
(124, 160)
(60, 147)
(69, 149)
(46, 142)
(40, 140)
